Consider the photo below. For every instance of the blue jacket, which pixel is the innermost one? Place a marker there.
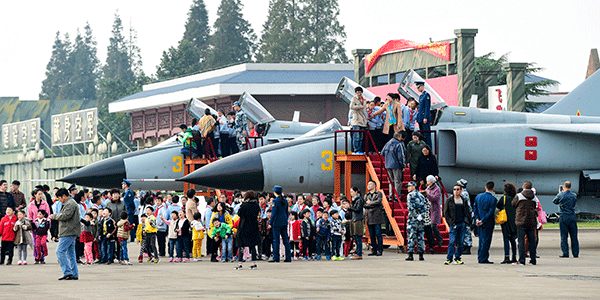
(279, 212)
(566, 202)
(394, 153)
(484, 208)
(406, 117)
(129, 203)
(424, 107)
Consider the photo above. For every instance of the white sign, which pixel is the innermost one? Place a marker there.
(75, 127)
(497, 97)
(21, 134)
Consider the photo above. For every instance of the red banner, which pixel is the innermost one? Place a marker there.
(441, 50)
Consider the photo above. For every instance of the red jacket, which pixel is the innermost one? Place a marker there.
(7, 228)
(296, 231)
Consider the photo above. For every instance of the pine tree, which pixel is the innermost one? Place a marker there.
(118, 63)
(56, 76)
(190, 55)
(325, 36)
(281, 40)
(84, 64)
(233, 40)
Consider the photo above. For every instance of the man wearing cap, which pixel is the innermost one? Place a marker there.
(73, 190)
(240, 126)
(18, 196)
(358, 106)
(415, 224)
(278, 223)
(424, 114)
(128, 198)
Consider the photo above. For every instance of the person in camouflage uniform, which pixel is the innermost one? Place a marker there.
(415, 227)
(240, 126)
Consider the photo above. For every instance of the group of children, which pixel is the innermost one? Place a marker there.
(17, 231)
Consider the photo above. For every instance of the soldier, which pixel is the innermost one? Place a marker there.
(241, 126)
(415, 228)
(424, 115)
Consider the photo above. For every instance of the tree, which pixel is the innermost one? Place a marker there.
(282, 40)
(233, 40)
(190, 55)
(122, 76)
(84, 64)
(325, 36)
(56, 76)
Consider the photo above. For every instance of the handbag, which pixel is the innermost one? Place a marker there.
(501, 217)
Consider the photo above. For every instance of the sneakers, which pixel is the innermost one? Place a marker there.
(448, 262)
(356, 257)
(19, 263)
(339, 258)
(156, 261)
(186, 260)
(177, 260)
(140, 259)
(459, 262)
(170, 259)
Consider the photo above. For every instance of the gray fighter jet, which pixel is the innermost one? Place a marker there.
(156, 168)
(473, 143)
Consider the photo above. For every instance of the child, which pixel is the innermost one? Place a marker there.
(337, 230)
(172, 235)
(151, 229)
(40, 235)
(197, 236)
(8, 235)
(222, 231)
(96, 234)
(316, 205)
(110, 234)
(266, 234)
(141, 237)
(123, 228)
(346, 221)
(308, 234)
(184, 233)
(101, 235)
(323, 236)
(295, 233)
(21, 228)
(87, 237)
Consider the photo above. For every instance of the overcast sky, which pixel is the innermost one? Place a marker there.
(556, 34)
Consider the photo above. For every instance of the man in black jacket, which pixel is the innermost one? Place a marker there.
(6, 199)
(457, 214)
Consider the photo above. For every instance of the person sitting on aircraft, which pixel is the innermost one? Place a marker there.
(427, 166)
(187, 140)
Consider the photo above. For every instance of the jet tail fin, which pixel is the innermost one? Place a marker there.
(584, 98)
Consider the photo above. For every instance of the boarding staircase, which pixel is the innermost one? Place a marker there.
(394, 201)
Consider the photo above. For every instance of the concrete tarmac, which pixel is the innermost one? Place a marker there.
(388, 276)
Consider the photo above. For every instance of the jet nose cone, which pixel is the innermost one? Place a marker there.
(242, 171)
(107, 173)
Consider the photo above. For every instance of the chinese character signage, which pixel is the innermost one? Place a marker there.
(497, 97)
(74, 127)
(21, 134)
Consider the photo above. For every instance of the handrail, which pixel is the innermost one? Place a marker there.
(385, 203)
(207, 146)
(255, 138)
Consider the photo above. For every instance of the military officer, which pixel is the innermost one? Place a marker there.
(240, 126)
(424, 114)
(415, 226)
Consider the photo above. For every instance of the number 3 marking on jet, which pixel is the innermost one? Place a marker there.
(178, 166)
(328, 160)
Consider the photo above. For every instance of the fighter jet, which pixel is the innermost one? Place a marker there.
(473, 143)
(166, 160)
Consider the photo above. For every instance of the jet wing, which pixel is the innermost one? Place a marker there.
(585, 129)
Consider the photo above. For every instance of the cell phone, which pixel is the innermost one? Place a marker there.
(560, 188)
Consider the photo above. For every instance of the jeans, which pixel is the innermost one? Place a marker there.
(226, 249)
(133, 220)
(376, 238)
(185, 151)
(358, 241)
(357, 139)
(509, 241)
(336, 244)
(281, 231)
(456, 237)
(65, 253)
(124, 254)
(530, 233)
(172, 246)
(395, 178)
(109, 250)
(485, 241)
(568, 227)
(183, 245)
(323, 246)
